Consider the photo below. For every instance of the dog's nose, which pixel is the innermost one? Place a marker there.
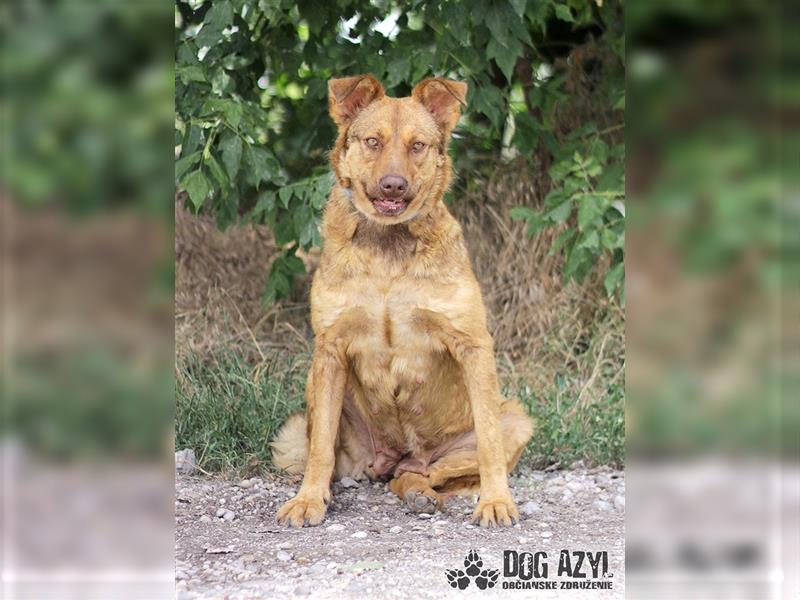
(393, 186)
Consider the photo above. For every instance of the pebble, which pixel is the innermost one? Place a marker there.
(185, 462)
(601, 505)
(619, 502)
(284, 556)
(349, 482)
(245, 484)
(229, 515)
(424, 516)
(220, 512)
(575, 486)
(529, 508)
(546, 534)
(396, 529)
(359, 535)
(205, 519)
(391, 500)
(362, 497)
(285, 545)
(335, 527)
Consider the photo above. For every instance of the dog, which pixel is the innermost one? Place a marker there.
(403, 381)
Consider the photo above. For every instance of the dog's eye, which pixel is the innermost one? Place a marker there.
(372, 142)
(418, 147)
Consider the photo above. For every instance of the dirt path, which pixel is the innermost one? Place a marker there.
(371, 546)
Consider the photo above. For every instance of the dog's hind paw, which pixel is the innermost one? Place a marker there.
(420, 502)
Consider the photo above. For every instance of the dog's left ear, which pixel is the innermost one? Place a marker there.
(443, 98)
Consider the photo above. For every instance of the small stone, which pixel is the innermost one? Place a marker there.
(336, 527)
(546, 534)
(284, 556)
(359, 535)
(391, 500)
(469, 526)
(529, 508)
(349, 482)
(245, 484)
(362, 497)
(438, 531)
(185, 462)
(601, 505)
(575, 486)
(229, 515)
(220, 550)
(424, 516)
(220, 512)
(523, 540)
(619, 502)
(396, 529)
(205, 519)
(285, 545)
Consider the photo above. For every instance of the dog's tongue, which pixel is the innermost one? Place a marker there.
(389, 205)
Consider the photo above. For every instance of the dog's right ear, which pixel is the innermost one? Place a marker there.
(348, 95)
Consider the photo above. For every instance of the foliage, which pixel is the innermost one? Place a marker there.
(87, 102)
(251, 100)
(589, 185)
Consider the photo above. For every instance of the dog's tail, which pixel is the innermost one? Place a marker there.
(290, 446)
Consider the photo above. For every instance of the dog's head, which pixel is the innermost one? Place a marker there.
(392, 152)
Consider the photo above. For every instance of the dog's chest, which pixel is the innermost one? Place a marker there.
(393, 356)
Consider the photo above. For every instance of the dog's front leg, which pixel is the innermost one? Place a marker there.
(473, 352)
(496, 506)
(324, 397)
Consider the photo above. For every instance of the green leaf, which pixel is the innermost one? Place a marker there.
(505, 55)
(261, 166)
(496, 20)
(521, 213)
(285, 194)
(563, 239)
(218, 173)
(192, 73)
(233, 113)
(197, 187)
(614, 277)
(231, 154)
(519, 6)
(266, 203)
(560, 213)
(590, 208)
(589, 240)
(564, 13)
(186, 163)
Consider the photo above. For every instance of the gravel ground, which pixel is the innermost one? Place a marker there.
(372, 546)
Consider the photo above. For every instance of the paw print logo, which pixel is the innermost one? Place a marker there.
(473, 572)
(487, 578)
(457, 579)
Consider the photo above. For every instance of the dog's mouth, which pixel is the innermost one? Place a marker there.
(389, 206)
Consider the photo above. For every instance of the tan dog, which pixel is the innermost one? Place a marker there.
(403, 380)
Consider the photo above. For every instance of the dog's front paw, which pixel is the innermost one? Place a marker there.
(493, 512)
(303, 509)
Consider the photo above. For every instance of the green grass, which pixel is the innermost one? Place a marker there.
(227, 411)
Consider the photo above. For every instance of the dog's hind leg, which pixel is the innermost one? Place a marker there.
(416, 491)
(456, 470)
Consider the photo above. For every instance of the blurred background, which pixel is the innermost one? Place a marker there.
(89, 209)
(712, 330)
(87, 288)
